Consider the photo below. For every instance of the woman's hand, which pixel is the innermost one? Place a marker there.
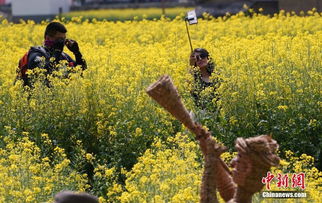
(193, 60)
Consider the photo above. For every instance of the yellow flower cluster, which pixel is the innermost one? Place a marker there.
(165, 174)
(26, 176)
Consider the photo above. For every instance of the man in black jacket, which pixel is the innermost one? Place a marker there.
(50, 55)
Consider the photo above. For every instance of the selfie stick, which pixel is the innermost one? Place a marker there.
(188, 35)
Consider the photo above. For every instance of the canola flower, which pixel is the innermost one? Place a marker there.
(271, 73)
(26, 176)
(165, 174)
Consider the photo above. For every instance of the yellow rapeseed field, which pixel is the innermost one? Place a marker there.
(127, 14)
(104, 125)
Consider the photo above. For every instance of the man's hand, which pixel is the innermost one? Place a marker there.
(72, 45)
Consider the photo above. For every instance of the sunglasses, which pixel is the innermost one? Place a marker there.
(201, 56)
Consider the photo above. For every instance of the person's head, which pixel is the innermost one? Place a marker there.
(201, 56)
(55, 35)
(55, 31)
(72, 197)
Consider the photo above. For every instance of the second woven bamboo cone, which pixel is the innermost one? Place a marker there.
(255, 157)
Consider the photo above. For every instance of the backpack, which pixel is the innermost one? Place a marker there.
(23, 62)
(21, 71)
(22, 66)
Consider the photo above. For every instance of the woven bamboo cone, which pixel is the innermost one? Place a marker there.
(164, 92)
(255, 157)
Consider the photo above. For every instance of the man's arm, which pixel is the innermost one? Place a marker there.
(35, 59)
(80, 60)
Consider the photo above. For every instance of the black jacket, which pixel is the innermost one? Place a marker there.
(44, 58)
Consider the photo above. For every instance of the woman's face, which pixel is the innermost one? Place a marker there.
(201, 60)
